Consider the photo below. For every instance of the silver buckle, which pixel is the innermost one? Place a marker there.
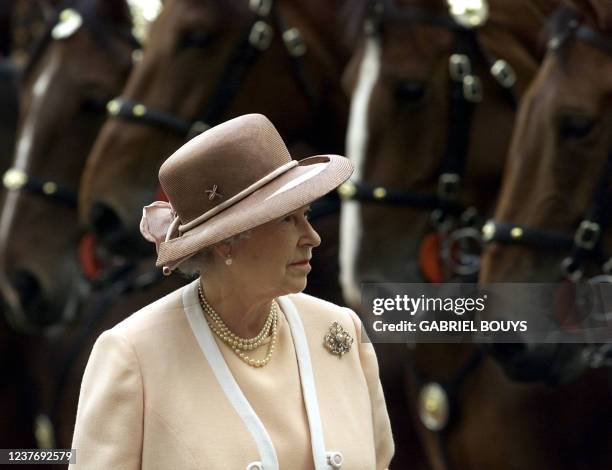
(472, 89)
(261, 35)
(448, 185)
(261, 7)
(503, 73)
(466, 243)
(459, 66)
(587, 235)
(573, 272)
(293, 42)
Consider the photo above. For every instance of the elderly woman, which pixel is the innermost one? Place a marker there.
(237, 370)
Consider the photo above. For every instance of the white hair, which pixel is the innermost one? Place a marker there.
(199, 263)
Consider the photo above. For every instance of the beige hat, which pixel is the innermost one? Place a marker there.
(233, 177)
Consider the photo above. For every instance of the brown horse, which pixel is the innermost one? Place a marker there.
(432, 114)
(552, 224)
(281, 58)
(81, 62)
(418, 135)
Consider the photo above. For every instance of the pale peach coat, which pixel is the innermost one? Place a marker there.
(160, 391)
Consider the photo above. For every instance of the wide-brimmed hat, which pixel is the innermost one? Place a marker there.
(233, 177)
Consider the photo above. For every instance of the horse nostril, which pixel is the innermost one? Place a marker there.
(104, 221)
(507, 352)
(31, 297)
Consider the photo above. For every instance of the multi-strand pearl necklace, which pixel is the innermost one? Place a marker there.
(237, 343)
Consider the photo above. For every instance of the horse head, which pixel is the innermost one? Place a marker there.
(552, 220)
(432, 113)
(79, 64)
(207, 62)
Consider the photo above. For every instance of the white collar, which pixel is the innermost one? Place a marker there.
(204, 336)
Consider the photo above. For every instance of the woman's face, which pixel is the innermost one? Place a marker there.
(275, 256)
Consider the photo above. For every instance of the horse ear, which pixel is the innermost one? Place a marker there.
(116, 11)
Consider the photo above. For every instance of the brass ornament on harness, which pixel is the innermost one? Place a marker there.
(142, 14)
(113, 107)
(69, 23)
(14, 179)
(433, 406)
(469, 13)
(337, 340)
(347, 190)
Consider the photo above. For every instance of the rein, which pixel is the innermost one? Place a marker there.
(256, 39)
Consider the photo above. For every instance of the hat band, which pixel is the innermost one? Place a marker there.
(236, 198)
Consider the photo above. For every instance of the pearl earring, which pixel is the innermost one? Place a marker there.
(228, 259)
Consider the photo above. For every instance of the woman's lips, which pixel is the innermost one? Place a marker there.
(302, 264)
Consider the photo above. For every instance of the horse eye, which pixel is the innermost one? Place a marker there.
(199, 39)
(575, 127)
(409, 91)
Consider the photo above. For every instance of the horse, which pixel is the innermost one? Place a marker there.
(269, 54)
(283, 59)
(80, 62)
(76, 68)
(416, 133)
(434, 94)
(551, 225)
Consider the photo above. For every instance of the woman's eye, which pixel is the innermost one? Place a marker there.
(575, 127)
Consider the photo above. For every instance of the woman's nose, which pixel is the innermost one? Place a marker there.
(311, 237)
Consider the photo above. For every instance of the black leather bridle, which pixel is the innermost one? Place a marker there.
(256, 39)
(584, 244)
(65, 23)
(466, 93)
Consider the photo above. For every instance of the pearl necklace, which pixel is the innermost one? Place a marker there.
(237, 343)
